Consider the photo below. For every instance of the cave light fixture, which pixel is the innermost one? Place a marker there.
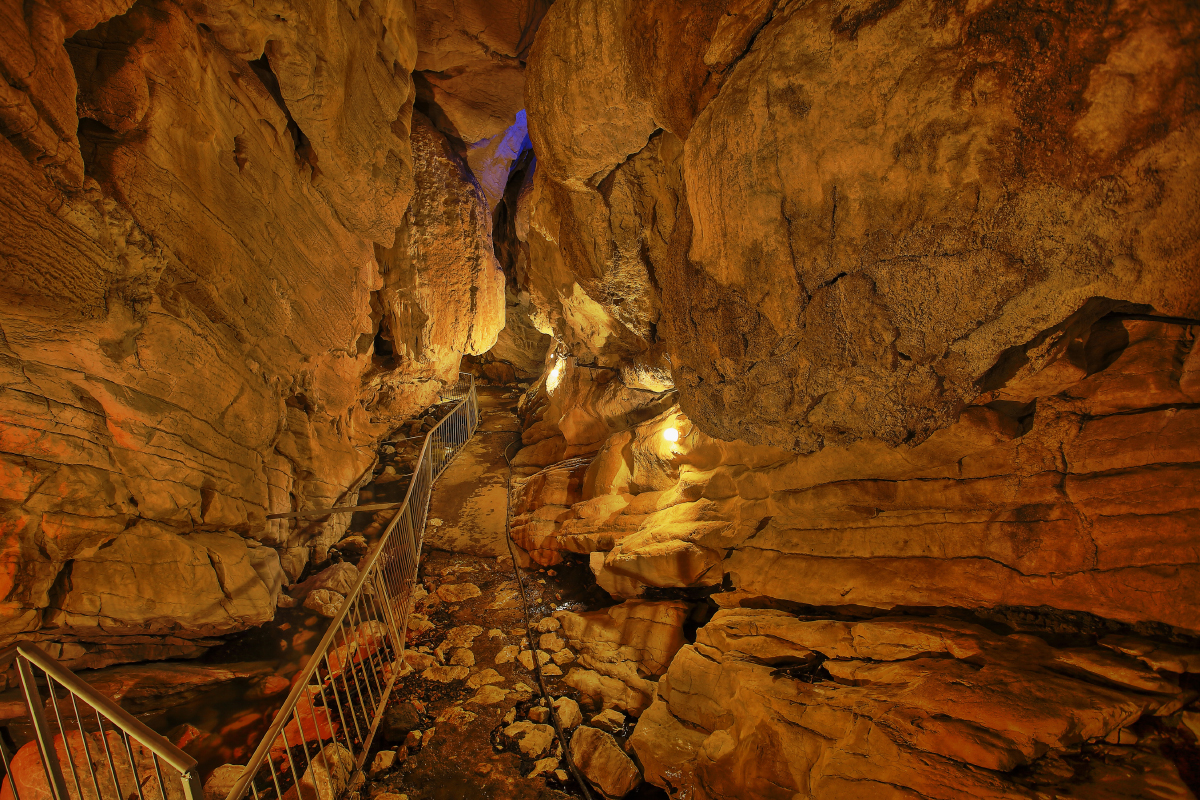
(671, 435)
(554, 378)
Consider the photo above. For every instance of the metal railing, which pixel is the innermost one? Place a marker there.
(324, 730)
(107, 752)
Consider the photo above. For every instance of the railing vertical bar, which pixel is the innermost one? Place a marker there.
(162, 788)
(12, 779)
(112, 768)
(304, 744)
(349, 700)
(133, 770)
(41, 729)
(336, 701)
(274, 779)
(349, 667)
(312, 712)
(62, 729)
(358, 632)
(287, 749)
(87, 750)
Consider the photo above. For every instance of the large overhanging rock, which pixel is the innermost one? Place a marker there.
(875, 205)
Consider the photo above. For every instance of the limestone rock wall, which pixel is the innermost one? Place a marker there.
(922, 280)
(190, 299)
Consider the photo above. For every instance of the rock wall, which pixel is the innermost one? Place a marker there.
(845, 215)
(920, 277)
(192, 311)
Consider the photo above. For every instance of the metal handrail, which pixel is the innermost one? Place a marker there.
(28, 655)
(382, 597)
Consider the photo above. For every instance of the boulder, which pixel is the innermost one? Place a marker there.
(604, 763)
(532, 739)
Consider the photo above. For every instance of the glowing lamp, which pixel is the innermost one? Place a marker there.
(555, 376)
(671, 435)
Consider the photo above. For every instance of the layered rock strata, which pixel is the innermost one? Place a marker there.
(191, 301)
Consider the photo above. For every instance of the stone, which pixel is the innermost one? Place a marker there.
(383, 761)
(609, 720)
(568, 713)
(551, 670)
(563, 656)
(543, 766)
(442, 674)
(550, 642)
(547, 625)
(325, 602)
(220, 783)
(489, 695)
(462, 657)
(484, 677)
(508, 654)
(328, 775)
(454, 715)
(526, 659)
(399, 721)
(604, 763)
(412, 739)
(532, 739)
(539, 714)
(457, 592)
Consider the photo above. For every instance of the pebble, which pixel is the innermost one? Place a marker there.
(462, 657)
(547, 625)
(560, 775)
(551, 670)
(507, 654)
(413, 740)
(495, 633)
(539, 714)
(563, 656)
(551, 573)
(544, 766)
(510, 717)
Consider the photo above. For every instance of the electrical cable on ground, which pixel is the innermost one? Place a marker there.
(537, 666)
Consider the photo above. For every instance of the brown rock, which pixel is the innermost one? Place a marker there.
(604, 763)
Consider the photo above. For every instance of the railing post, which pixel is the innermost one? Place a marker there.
(41, 729)
(192, 788)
